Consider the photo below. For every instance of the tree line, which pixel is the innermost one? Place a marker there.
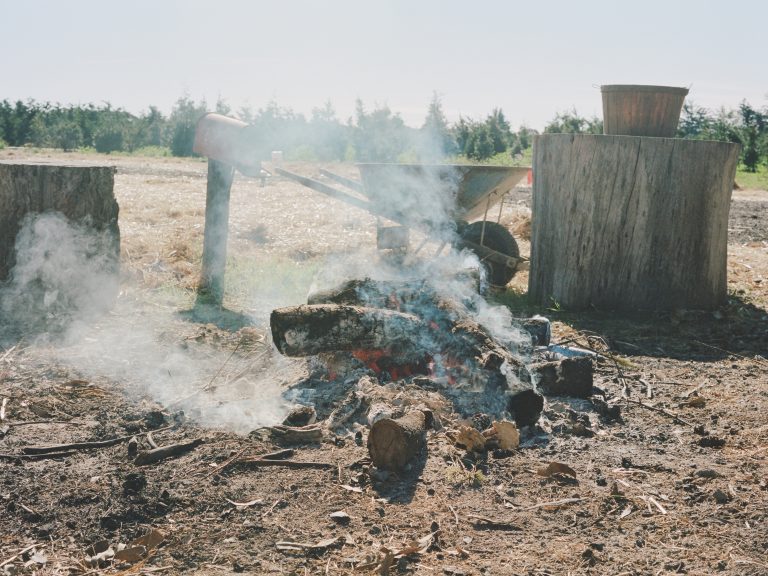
(375, 135)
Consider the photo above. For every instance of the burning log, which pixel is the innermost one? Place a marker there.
(403, 329)
(312, 329)
(393, 444)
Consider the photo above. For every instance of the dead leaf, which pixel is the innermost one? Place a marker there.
(131, 555)
(507, 434)
(626, 512)
(419, 546)
(352, 488)
(555, 468)
(470, 439)
(150, 540)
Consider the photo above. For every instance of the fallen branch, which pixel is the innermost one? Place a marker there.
(62, 454)
(157, 454)
(759, 360)
(31, 422)
(285, 463)
(82, 445)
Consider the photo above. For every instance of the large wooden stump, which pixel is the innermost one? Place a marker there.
(84, 194)
(625, 222)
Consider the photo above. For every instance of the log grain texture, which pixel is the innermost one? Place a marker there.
(626, 222)
(84, 194)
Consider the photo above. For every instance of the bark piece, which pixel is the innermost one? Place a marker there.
(393, 444)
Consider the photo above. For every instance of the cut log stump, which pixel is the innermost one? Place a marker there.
(393, 444)
(83, 194)
(629, 222)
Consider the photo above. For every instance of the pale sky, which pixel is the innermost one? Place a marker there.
(532, 59)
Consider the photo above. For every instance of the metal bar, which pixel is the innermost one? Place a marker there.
(214, 262)
(501, 207)
(485, 219)
(348, 182)
(332, 192)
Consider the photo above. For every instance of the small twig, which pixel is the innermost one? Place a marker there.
(761, 361)
(27, 549)
(271, 508)
(211, 381)
(455, 515)
(151, 441)
(287, 453)
(662, 411)
(648, 389)
(8, 352)
(489, 523)
(2, 409)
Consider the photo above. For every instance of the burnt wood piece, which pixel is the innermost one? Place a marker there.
(157, 454)
(83, 194)
(567, 377)
(538, 327)
(419, 298)
(310, 329)
(393, 444)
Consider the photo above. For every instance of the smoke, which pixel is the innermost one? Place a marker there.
(63, 272)
(64, 281)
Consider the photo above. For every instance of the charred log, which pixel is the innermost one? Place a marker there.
(568, 377)
(312, 329)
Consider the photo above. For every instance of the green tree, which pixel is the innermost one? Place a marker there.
(571, 123)
(182, 123)
(752, 130)
(378, 136)
(436, 138)
(695, 122)
(499, 130)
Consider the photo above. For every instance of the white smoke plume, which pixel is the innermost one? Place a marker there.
(57, 295)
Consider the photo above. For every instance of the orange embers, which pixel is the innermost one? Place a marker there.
(381, 360)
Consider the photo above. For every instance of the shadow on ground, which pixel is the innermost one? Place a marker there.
(739, 328)
(204, 312)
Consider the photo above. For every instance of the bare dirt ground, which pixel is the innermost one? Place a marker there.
(678, 484)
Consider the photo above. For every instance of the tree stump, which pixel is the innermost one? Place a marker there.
(84, 194)
(625, 222)
(393, 444)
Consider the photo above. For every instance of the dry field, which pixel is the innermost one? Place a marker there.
(678, 484)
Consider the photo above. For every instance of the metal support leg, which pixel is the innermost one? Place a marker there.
(220, 177)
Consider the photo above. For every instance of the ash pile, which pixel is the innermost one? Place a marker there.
(392, 359)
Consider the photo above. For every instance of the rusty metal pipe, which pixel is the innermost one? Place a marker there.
(225, 139)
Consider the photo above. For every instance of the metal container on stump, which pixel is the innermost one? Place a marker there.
(642, 110)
